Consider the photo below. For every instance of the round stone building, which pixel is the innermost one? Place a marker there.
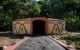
(38, 26)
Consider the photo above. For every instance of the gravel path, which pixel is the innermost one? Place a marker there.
(40, 43)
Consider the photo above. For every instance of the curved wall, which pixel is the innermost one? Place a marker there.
(25, 26)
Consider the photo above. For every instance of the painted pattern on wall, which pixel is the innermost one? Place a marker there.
(56, 26)
(21, 27)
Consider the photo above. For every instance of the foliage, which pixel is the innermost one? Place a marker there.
(77, 44)
(71, 39)
(69, 10)
(14, 9)
(5, 22)
(72, 23)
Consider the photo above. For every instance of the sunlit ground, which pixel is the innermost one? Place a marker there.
(6, 41)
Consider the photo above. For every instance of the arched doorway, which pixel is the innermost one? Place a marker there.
(38, 27)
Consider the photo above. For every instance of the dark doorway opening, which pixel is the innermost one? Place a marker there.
(38, 28)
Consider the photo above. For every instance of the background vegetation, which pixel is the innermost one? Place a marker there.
(68, 10)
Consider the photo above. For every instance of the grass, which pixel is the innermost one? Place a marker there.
(70, 39)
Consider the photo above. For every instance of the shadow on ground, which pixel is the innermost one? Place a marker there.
(12, 36)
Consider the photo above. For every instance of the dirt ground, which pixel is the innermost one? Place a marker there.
(7, 41)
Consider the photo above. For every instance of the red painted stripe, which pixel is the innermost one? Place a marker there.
(43, 19)
(17, 44)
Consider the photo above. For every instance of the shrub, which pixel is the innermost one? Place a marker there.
(70, 37)
(72, 23)
(5, 22)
